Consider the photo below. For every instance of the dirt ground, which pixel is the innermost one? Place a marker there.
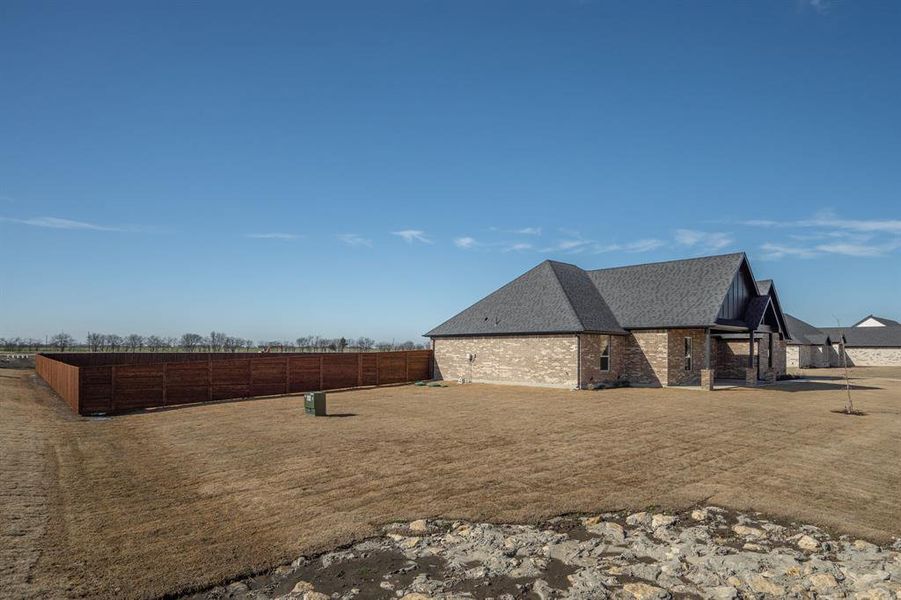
(167, 501)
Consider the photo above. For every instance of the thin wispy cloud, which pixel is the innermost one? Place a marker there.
(528, 231)
(518, 247)
(58, 223)
(829, 220)
(272, 236)
(643, 245)
(412, 235)
(707, 241)
(354, 240)
(466, 243)
(518, 231)
(832, 235)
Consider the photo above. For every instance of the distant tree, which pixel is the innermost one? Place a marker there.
(190, 341)
(153, 342)
(94, 341)
(408, 345)
(170, 342)
(217, 341)
(384, 346)
(134, 342)
(113, 341)
(342, 344)
(61, 341)
(365, 343)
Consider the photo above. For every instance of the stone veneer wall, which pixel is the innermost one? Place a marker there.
(874, 357)
(794, 354)
(646, 357)
(678, 375)
(590, 346)
(548, 360)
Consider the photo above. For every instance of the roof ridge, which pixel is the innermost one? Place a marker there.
(569, 300)
(663, 262)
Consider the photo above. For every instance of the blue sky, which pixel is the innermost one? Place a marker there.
(359, 168)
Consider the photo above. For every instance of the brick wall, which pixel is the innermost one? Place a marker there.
(591, 358)
(548, 360)
(646, 357)
(676, 363)
(731, 358)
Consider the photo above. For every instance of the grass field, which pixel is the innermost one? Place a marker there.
(152, 503)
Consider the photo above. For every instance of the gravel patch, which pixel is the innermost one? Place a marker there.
(708, 552)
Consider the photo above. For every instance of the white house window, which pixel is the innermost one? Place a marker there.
(605, 353)
(688, 354)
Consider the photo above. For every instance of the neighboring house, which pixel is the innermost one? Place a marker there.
(874, 321)
(671, 323)
(807, 346)
(866, 346)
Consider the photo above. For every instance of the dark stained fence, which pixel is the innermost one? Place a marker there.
(62, 377)
(109, 383)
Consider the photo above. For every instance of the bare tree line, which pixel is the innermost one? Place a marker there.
(216, 341)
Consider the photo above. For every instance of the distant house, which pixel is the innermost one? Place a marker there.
(871, 342)
(672, 323)
(807, 346)
(867, 346)
(874, 321)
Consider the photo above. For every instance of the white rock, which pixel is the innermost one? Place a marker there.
(823, 582)
(745, 531)
(302, 586)
(419, 526)
(722, 592)
(639, 518)
(805, 542)
(762, 585)
(643, 591)
(700, 514)
(662, 521)
(315, 596)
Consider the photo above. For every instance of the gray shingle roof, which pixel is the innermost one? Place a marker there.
(557, 297)
(874, 337)
(550, 298)
(764, 285)
(677, 293)
(803, 333)
(756, 308)
(883, 320)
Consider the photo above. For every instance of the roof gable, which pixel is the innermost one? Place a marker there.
(678, 293)
(875, 322)
(550, 298)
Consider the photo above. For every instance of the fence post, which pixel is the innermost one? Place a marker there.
(359, 369)
(165, 383)
(287, 372)
(407, 365)
(321, 370)
(209, 377)
(112, 400)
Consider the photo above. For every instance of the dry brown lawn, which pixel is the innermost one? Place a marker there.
(154, 503)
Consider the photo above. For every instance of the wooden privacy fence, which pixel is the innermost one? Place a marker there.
(163, 379)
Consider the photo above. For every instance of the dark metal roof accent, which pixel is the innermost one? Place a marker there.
(756, 310)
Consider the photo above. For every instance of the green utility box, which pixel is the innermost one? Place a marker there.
(314, 403)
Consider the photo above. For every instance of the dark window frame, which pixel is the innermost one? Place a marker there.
(604, 362)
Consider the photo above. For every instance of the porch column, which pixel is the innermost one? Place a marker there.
(751, 372)
(707, 373)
